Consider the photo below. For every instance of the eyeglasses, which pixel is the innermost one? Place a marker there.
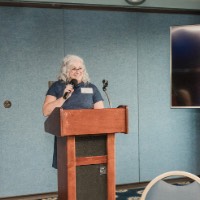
(77, 69)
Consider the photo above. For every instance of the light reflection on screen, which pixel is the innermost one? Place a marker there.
(185, 66)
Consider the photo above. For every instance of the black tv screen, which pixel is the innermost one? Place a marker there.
(185, 66)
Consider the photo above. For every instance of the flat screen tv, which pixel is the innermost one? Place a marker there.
(185, 66)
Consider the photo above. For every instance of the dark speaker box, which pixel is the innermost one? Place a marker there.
(91, 180)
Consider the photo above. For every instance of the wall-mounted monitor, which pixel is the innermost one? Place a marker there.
(185, 66)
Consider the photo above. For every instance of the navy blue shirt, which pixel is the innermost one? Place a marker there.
(85, 95)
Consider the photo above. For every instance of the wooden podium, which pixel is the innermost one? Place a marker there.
(86, 151)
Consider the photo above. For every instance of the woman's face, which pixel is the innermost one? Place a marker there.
(76, 71)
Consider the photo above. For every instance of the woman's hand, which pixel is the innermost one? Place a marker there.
(50, 102)
(69, 89)
(99, 105)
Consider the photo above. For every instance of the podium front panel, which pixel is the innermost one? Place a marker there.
(90, 145)
(93, 121)
(87, 121)
(90, 184)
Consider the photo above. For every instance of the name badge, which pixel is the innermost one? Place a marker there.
(87, 90)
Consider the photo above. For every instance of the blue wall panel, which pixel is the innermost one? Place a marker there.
(132, 51)
(31, 47)
(169, 138)
(110, 53)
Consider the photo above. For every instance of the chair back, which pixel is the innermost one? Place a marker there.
(158, 189)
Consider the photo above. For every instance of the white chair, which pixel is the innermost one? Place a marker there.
(158, 189)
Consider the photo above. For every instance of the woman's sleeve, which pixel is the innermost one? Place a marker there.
(97, 95)
(56, 90)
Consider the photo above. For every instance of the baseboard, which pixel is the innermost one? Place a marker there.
(32, 196)
(144, 184)
(118, 187)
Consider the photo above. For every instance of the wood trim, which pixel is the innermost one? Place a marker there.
(111, 188)
(107, 120)
(126, 117)
(127, 120)
(92, 160)
(100, 7)
(62, 170)
(71, 168)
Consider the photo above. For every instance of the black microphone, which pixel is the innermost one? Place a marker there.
(74, 83)
(105, 84)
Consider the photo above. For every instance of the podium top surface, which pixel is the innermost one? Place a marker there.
(87, 121)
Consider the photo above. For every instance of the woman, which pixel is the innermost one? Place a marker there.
(84, 95)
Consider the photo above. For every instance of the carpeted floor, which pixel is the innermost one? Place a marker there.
(125, 194)
(129, 194)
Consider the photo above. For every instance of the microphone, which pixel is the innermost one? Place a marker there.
(105, 85)
(74, 83)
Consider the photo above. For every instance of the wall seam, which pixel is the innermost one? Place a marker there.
(64, 33)
(137, 23)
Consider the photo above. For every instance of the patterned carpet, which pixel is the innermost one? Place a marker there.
(125, 194)
(131, 194)
(128, 194)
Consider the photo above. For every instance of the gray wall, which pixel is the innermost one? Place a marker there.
(132, 51)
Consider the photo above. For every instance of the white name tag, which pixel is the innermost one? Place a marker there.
(87, 90)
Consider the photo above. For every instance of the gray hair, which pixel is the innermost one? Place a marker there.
(67, 65)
